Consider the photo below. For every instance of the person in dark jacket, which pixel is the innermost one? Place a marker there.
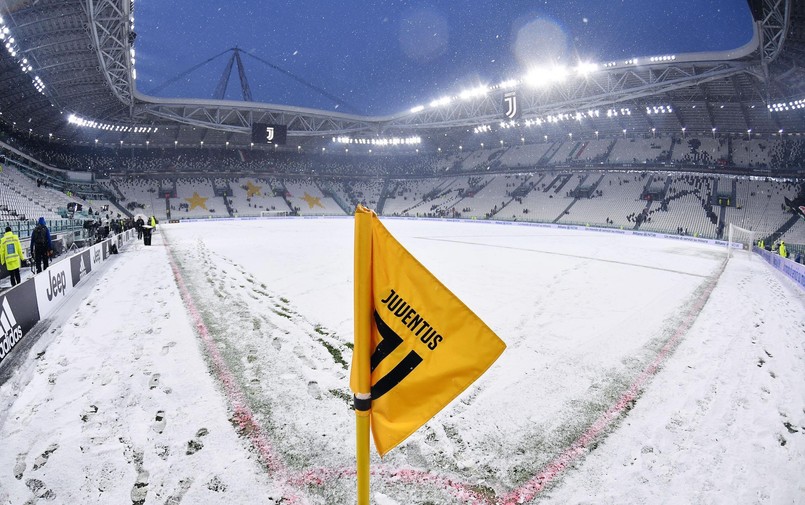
(41, 245)
(139, 224)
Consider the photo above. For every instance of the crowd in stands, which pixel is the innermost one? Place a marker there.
(246, 182)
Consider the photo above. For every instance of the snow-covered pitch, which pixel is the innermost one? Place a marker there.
(212, 368)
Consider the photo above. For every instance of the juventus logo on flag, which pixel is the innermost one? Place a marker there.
(510, 103)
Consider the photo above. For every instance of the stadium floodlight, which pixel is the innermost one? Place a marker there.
(441, 101)
(585, 68)
(469, 94)
(418, 108)
(540, 77)
(511, 83)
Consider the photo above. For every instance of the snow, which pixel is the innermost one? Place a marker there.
(638, 370)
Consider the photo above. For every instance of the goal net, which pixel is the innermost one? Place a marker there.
(738, 235)
(275, 213)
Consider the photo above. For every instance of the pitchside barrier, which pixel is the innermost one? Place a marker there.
(616, 231)
(790, 269)
(27, 303)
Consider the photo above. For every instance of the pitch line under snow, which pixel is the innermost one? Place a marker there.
(250, 427)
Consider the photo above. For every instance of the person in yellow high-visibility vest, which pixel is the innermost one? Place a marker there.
(11, 255)
(783, 251)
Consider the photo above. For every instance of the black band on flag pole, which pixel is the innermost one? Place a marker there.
(362, 404)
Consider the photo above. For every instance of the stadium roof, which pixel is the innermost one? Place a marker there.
(68, 76)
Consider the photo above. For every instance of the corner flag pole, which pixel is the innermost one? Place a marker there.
(362, 351)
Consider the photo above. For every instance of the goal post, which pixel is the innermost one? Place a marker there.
(275, 213)
(738, 235)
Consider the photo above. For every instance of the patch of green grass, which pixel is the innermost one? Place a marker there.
(280, 313)
(335, 353)
(487, 492)
(320, 330)
(343, 395)
(349, 345)
(284, 300)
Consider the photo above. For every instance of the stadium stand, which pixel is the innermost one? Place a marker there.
(253, 195)
(306, 198)
(524, 156)
(511, 183)
(640, 151)
(618, 197)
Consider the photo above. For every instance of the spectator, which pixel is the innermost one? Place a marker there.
(782, 250)
(139, 224)
(11, 255)
(41, 246)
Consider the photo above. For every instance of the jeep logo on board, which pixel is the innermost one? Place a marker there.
(57, 285)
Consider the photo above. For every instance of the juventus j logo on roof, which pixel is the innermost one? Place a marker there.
(269, 133)
(510, 104)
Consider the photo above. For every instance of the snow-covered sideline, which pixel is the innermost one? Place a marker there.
(212, 367)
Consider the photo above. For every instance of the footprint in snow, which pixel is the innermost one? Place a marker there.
(195, 445)
(39, 489)
(178, 494)
(159, 421)
(19, 468)
(42, 459)
(140, 489)
(154, 382)
(167, 347)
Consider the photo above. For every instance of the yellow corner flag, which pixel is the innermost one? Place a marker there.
(417, 346)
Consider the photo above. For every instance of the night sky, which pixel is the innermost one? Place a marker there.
(376, 57)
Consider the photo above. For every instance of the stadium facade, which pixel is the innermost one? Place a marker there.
(70, 76)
